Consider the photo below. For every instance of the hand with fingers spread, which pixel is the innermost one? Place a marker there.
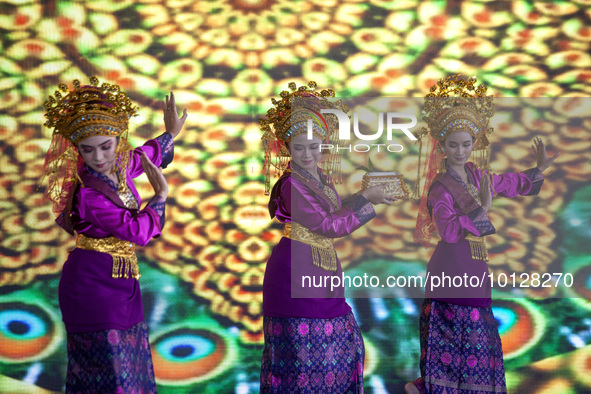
(377, 195)
(172, 122)
(155, 177)
(542, 159)
(485, 193)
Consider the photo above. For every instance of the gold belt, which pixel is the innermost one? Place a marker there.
(477, 247)
(123, 253)
(323, 253)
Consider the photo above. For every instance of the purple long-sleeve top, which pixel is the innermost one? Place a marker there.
(95, 215)
(452, 255)
(303, 199)
(90, 299)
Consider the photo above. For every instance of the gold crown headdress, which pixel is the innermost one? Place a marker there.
(88, 111)
(453, 104)
(288, 118)
(75, 115)
(458, 105)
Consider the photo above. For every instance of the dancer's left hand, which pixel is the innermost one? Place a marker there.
(155, 176)
(542, 158)
(172, 122)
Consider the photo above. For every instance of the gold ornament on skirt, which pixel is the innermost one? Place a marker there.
(323, 253)
(125, 262)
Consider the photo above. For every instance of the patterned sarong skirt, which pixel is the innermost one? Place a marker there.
(110, 361)
(303, 355)
(461, 350)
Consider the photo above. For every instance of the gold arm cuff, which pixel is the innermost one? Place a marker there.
(323, 253)
(123, 252)
(478, 248)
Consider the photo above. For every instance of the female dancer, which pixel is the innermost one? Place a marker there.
(312, 342)
(460, 345)
(90, 166)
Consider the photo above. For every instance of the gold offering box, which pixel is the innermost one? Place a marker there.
(395, 185)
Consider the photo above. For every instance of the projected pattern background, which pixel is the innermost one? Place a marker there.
(224, 59)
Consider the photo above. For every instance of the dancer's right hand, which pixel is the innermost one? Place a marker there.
(172, 122)
(485, 193)
(155, 177)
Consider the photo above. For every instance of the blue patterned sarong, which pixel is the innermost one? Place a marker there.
(304, 355)
(110, 361)
(461, 350)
